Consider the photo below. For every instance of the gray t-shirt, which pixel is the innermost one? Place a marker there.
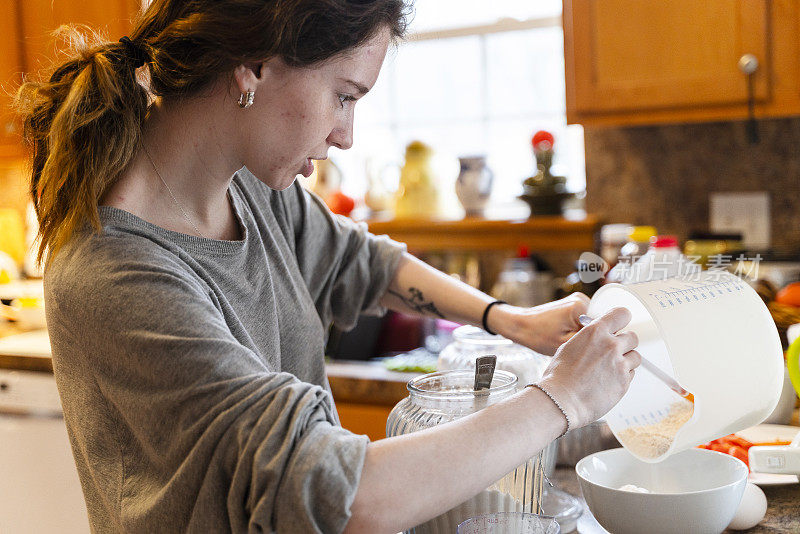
(191, 370)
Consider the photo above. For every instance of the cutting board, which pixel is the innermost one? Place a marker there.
(35, 343)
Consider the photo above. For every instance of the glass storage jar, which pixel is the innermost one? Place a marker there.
(469, 343)
(444, 396)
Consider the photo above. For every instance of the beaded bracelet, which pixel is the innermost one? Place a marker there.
(558, 404)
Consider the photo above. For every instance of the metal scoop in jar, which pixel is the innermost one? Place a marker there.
(484, 371)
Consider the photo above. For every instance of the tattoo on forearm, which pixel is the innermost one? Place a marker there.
(416, 301)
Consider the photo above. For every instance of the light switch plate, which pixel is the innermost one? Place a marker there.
(745, 213)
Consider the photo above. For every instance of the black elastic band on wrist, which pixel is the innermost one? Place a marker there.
(486, 315)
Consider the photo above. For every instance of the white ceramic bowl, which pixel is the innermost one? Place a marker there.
(695, 491)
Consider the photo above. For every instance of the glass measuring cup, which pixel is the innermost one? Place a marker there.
(510, 523)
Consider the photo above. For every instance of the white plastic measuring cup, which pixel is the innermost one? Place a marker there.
(714, 335)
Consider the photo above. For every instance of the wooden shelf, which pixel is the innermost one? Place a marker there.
(537, 233)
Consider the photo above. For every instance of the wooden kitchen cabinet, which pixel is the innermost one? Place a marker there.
(112, 18)
(27, 46)
(11, 68)
(650, 61)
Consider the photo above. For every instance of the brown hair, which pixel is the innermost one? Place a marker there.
(84, 123)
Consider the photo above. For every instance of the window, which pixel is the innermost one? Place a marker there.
(474, 78)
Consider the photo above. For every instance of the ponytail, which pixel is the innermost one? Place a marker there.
(83, 126)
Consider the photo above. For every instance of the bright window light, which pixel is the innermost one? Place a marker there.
(474, 78)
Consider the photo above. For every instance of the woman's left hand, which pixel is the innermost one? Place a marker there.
(542, 328)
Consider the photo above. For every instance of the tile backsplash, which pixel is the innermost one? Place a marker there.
(662, 175)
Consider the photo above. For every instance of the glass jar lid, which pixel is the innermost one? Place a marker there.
(478, 336)
(459, 384)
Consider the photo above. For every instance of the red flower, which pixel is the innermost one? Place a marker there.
(542, 140)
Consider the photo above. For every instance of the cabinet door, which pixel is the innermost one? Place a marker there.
(11, 67)
(639, 55)
(112, 18)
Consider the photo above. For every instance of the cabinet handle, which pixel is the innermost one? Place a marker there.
(748, 64)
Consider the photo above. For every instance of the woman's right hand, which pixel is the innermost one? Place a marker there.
(591, 372)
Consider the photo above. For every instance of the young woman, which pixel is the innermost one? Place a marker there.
(190, 283)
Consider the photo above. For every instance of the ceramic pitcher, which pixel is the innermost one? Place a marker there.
(474, 185)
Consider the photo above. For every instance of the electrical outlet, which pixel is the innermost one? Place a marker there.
(745, 213)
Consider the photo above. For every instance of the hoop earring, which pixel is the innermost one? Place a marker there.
(246, 99)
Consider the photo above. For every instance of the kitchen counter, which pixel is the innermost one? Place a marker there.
(27, 351)
(365, 393)
(357, 384)
(367, 382)
(351, 381)
(783, 507)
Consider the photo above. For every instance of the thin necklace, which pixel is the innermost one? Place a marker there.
(186, 215)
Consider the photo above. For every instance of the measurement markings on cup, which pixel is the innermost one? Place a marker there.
(669, 298)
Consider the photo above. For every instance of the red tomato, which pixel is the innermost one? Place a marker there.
(740, 453)
(719, 447)
(340, 203)
(730, 444)
(789, 295)
(741, 442)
